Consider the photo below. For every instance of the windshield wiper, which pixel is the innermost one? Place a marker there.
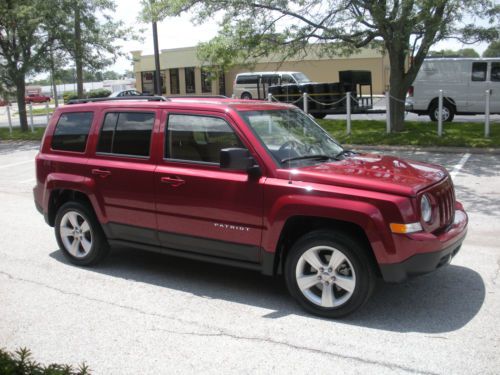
(304, 157)
(344, 153)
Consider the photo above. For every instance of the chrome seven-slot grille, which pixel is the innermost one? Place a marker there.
(444, 195)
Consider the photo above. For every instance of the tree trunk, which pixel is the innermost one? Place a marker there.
(53, 80)
(78, 52)
(21, 103)
(397, 91)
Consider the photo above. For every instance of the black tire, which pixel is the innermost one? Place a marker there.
(80, 255)
(448, 111)
(246, 95)
(319, 116)
(357, 269)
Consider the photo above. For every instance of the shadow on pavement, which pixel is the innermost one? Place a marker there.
(440, 302)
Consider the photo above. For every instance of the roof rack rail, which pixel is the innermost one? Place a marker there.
(148, 98)
(197, 96)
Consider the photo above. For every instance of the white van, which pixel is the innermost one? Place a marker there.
(254, 85)
(464, 82)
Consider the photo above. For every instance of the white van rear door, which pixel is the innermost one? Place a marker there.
(495, 87)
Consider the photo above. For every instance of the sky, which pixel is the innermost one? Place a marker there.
(180, 32)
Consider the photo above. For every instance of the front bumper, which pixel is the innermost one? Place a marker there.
(429, 252)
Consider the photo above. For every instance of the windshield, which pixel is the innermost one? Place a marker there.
(301, 78)
(292, 137)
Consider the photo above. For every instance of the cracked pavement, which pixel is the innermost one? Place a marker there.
(146, 313)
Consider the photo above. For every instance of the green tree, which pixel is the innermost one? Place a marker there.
(90, 35)
(406, 29)
(23, 44)
(493, 49)
(464, 52)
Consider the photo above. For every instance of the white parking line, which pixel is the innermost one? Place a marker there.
(18, 163)
(459, 165)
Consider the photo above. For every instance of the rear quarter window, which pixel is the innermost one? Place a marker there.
(247, 80)
(72, 131)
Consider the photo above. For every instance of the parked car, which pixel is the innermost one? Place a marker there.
(243, 183)
(464, 82)
(249, 85)
(4, 102)
(36, 98)
(125, 93)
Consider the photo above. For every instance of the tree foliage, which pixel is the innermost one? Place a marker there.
(464, 52)
(493, 49)
(405, 29)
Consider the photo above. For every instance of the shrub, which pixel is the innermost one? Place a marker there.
(20, 363)
(98, 93)
(69, 96)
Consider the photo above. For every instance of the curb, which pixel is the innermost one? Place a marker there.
(436, 149)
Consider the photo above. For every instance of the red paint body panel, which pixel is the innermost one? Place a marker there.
(201, 200)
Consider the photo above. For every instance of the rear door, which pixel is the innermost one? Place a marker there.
(201, 208)
(123, 171)
(495, 87)
(477, 87)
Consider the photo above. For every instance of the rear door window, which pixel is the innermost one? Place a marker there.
(72, 131)
(247, 80)
(495, 71)
(126, 133)
(479, 71)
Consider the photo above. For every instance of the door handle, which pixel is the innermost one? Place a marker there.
(101, 172)
(172, 181)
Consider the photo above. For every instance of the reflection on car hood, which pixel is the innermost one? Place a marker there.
(373, 172)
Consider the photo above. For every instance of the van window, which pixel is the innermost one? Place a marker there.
(72, 131)
(247, 80)
(126, 133)
(270, 79)
(287, 78)
(198, 138)
(495, 71)
(479, 71)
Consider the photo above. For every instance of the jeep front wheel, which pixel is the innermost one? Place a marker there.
(329, 274)
(79, 235)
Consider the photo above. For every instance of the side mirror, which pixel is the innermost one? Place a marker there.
(238, 159)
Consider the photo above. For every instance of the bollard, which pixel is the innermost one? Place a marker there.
(9, 119)
(269, 97)
(306, 104)
(31, 117)
(440, 114)
(388, 112)
(348, 110)
(487, 114)
(47, 111)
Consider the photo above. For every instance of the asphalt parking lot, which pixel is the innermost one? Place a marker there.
(145, 313)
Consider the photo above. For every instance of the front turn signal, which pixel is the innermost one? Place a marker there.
(405, 228)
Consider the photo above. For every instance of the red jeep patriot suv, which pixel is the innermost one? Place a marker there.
(244, 183)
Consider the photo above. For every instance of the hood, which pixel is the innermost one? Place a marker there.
(373, 172)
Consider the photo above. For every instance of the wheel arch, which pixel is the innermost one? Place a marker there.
(60, 196)
(435, 101)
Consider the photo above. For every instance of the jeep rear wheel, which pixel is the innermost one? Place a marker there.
(79, 235)
(329, 274)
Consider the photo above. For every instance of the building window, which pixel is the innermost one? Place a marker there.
(190, 82)
(174, 81)
(72, 131)
(206, 81)
(148, 85)
(126, 133)
(222, 83)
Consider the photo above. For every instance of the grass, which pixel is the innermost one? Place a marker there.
(18, 135)
(366, 132)
(424, 134)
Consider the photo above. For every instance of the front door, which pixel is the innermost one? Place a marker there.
(201, 208)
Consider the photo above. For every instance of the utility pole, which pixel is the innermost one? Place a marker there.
(157, 60)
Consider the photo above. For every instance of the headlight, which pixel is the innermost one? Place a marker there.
(425, 208)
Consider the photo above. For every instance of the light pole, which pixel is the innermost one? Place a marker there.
(157, 85)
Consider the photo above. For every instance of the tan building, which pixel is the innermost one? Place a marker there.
(183, 74)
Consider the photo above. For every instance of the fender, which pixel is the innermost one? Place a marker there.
(365, 215)
(84, 185)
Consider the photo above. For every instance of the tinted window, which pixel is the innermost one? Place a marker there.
(198, 138)
(190, 82)
(287, 78)
(72, 131)
(126, 133)
(495, 71)
(247, 80)
(270, 79)
(206, 81)
(479, 71)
